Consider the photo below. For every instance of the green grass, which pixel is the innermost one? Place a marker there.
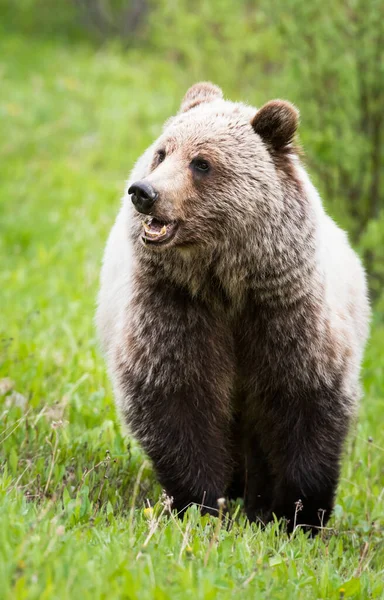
(72, 488)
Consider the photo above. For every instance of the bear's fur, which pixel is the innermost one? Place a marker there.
(235, 345)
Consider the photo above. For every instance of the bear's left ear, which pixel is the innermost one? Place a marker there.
(276, 123)
(205, 91)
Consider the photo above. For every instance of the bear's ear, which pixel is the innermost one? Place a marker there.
(198, 93)
(276, 123)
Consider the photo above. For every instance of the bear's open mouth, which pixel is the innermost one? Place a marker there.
(158, 232)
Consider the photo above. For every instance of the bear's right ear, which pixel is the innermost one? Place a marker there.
(198, 93)
(276, 123)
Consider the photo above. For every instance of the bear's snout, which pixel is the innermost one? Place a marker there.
(143, 196)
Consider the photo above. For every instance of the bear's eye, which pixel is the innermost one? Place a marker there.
(161, 156)
(200, 165)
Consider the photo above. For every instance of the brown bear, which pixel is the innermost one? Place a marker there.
(233, 314)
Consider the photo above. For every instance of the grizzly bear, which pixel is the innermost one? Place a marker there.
(233, 314)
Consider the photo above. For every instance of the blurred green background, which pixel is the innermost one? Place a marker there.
(85, 86)
(103, 75)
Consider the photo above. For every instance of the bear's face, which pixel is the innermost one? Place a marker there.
(212, 173)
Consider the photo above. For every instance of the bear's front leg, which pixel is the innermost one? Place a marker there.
(309, 432)
(174, 382)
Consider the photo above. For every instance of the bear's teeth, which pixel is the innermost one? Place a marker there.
(153, 232)
(146, 226)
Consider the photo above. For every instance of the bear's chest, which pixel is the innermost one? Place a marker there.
(277, 346)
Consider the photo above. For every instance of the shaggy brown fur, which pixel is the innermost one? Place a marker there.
(235, 345)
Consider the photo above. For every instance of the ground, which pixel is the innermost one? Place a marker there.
(75, 493)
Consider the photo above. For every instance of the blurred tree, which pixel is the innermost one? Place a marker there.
(334, 54)
(119, 18)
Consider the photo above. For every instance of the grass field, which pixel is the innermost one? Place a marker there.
(73, 490)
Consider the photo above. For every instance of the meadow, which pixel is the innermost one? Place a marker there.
(81, 514)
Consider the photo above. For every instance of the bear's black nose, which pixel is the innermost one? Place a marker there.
(143, 196)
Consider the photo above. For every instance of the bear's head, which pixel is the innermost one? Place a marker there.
(219, 170)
